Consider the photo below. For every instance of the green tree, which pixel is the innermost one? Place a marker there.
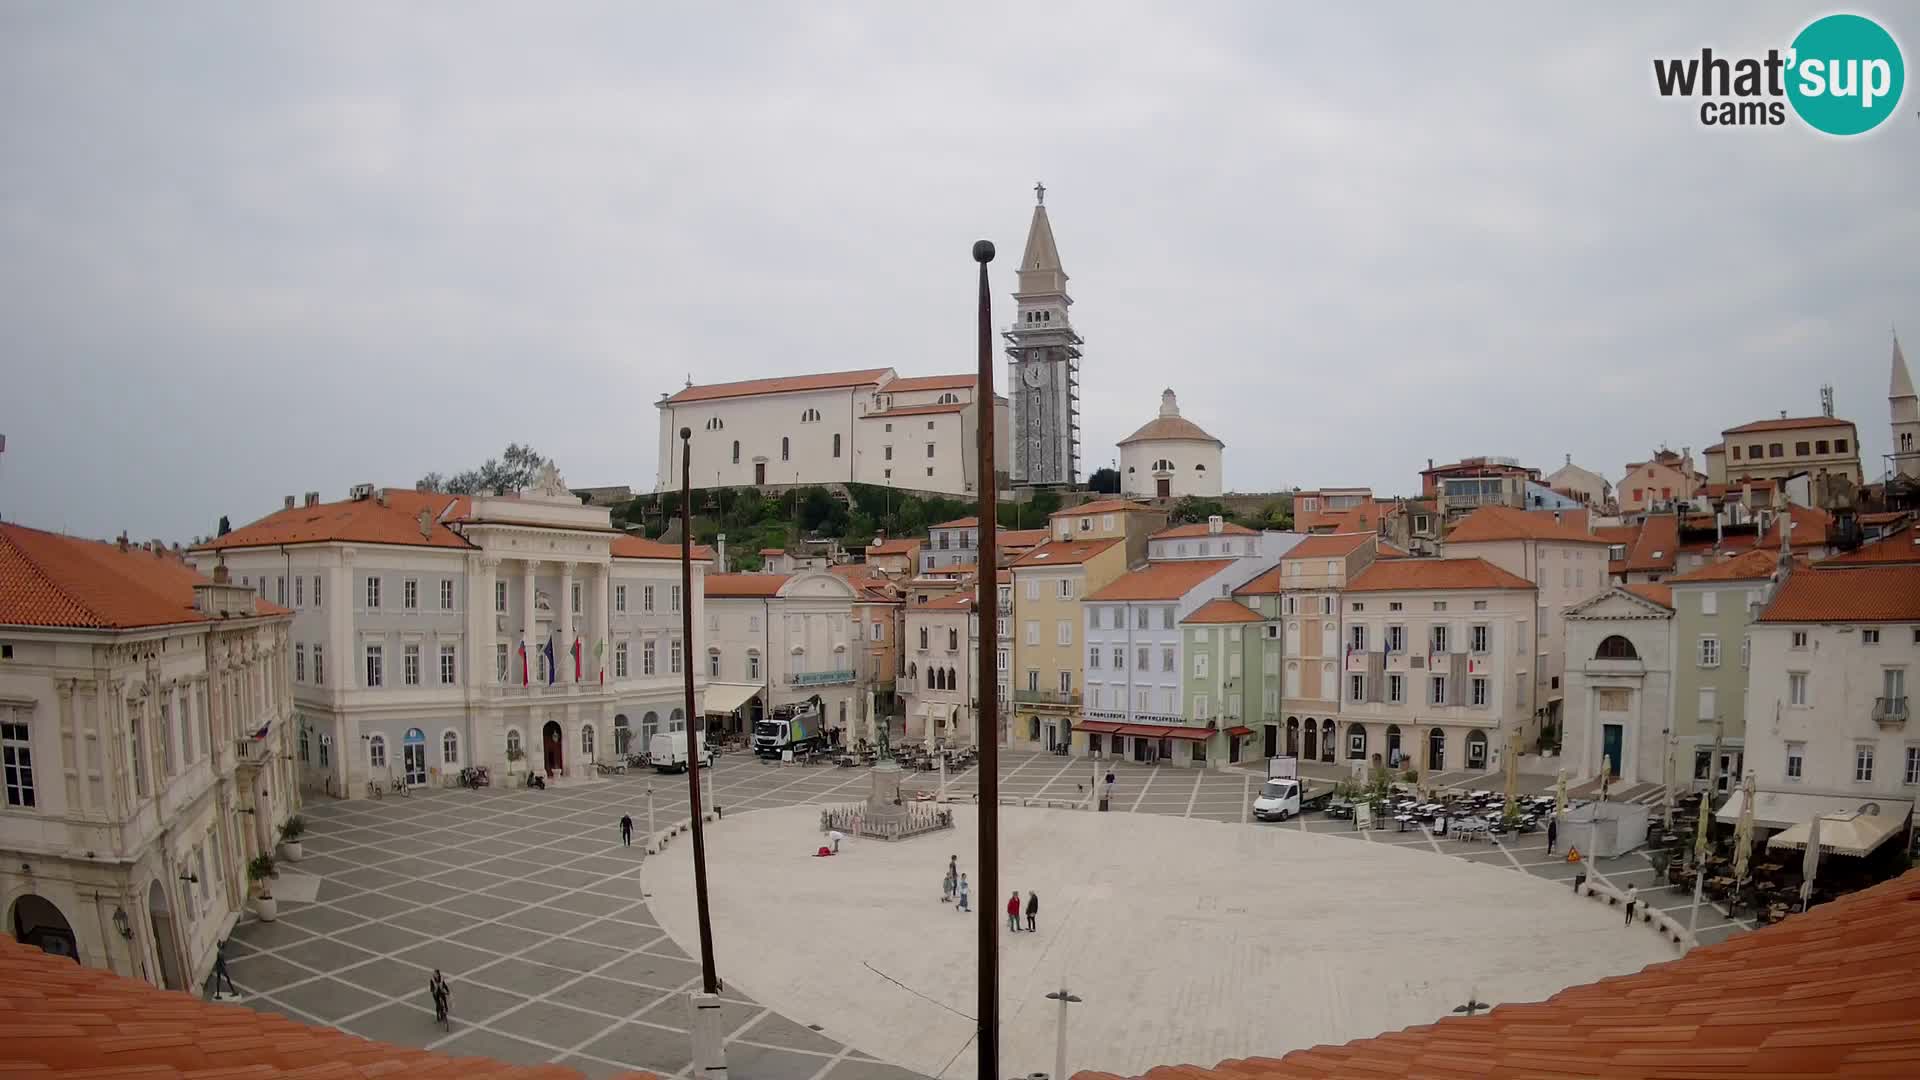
(1105, 480)
(514, 469)
(225, 526)
(1191, 509)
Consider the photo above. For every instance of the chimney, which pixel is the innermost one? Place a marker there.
(1556, 517)
(426, 522)
(220, 574)
(289, 503)
(380, 496)
(122, 541)
(720, 555)
(1429, 464)
(1215, 524)
(313, 498)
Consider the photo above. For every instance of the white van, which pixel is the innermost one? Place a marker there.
(669, 751)
(1279, 799)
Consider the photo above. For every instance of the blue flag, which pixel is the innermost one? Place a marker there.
(551, 670)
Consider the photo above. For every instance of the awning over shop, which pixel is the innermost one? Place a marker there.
(1851, 832)
(1781, 809)
(1099, 727)
(725, 697)
(1237, 731)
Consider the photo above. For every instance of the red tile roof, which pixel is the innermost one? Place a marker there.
(958, 523)
(1746, 566)
(1787, 424)
(1658, 593)
(1848, 594)
(1065, 552)
(1201, 528)
(1414, 575)
(59, 1019)
(1491, 523)
(1351, 519)
(1385, 550)
(931, 382)
(1896, 547)
(1161, 580)
(829, 380)
(1020, 538)
(1330, 545)
(917, 410)
(751, 586)
(50, 579)
(1170, 427)
(1223, 610)
(1657, 547)
(1810, 529)
(639, 547)
(1265, 583)
(357, 521)
(1826, 994)
(1103, 506)
(895, 547)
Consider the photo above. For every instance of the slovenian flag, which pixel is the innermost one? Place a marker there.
(553, 671)
(525, 679)
(576, 650)
(600, 657)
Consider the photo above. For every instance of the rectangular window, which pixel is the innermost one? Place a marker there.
(139, 758)
(1358, 640)
(1479, 691)
(1396, 639)
(1063, 632)
(673, 657)
(410, 661)
(1439, 637)
(300, 663)
(409, 594)
(373, 594)
(1166, 618)
(648, 658)
(1033, 632)
(1912, 773)
(713, 665)
(620, 599)
(1481, 605)
(1870, 635)
(1863, 763)
(16, 754)
(1143, 664)
(674, 599)
(500, 661)
(1200, 665)
(376, 665)
(1709, 703)
(446, 595)
(499, 596)
(1066, 682)
(576, 597)
(1356, 688)
(1796, 759)
(1709, 603)
(1775, 450)
(1140, 618)
(1093, 659)
(1802, 449)
(1166, 659)
(1821, 446)
(447, 671)
(319, 665)
(1709, 652)
(1799, 639)
(1033, 679)
(1119, 658)
(1066, 588)
(1439, 688)
(1479, 636)
(646, 599)
(317, 596)
(1396, 689)
(280, 590)
(1797, 688)
(1839, 446)
(300, 591)
(620, 661)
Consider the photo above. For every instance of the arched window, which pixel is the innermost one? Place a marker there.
(1199, 468)
(1436, 749)
(786, 449)
(753, 664)
(450, 748)
(716, 424)
(1356, 742)
(513, 743)
(1616, 647)
(913, 670)
(676, 721)
(622, 734)
(953, 683)
(303, 745)
(1163, 465)
(586, 740)
(836, 444)
(649, 727)
(1033, 728)
(377, 752)
(1476, 749)
(736, 451)
(810, 416)
(1326, 740)
(949, 399)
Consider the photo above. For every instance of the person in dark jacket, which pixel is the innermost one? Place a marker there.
(1553, 833)
(626, 830)
(1033, 909)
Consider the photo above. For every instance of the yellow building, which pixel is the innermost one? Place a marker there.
(1091, 545)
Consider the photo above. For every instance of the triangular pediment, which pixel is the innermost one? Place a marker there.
(1618, 603)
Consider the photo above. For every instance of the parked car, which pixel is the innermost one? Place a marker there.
(1279, 799)
(668, 751)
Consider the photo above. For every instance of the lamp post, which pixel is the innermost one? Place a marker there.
(1065, 998)
(987, 603)
(651, 834)
(709, 1048)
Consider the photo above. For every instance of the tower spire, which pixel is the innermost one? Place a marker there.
(1902, 383)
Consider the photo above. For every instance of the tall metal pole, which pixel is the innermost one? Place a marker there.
(1065, 997)
(709, 980)
(987, 602)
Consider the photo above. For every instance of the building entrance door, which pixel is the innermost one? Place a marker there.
(550, 745)
(1163, 487)
(760, 473)
(413, 758)
(1273, 741)
(1611, 736)
(1310, 755)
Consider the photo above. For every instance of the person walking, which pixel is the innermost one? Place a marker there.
(1633, 900)
(1033, 910)
(442, 997)
(1106, 795)
(1553, 833)
(626, 830)
(962, 893)
(1013, 911)
(220, 974)
(950, 884)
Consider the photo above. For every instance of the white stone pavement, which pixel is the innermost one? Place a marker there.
(1191, 940)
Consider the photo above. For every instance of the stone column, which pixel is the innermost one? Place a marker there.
(528, 623)
(486, 640)
(563, 643)
(602, 621)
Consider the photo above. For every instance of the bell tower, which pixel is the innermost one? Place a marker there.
(1043, 363)
(1904, 411)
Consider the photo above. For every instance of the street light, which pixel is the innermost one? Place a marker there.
(121, 923)
(1065, 998)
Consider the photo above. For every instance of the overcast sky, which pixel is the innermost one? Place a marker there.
(248, 250)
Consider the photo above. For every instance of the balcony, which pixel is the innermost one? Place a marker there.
(1890, 712)
(251, 751)
(1057, 698)
(838, 677)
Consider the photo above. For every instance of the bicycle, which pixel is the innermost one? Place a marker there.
(400, 785)
(374, 790)
(443, 1010)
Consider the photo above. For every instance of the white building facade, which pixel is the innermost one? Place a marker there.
(434, 632)
(144, 720)
(779, 639)
(1620, 680)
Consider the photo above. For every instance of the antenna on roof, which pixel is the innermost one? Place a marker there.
(1826, 400)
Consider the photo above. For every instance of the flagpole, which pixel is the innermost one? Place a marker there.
(987, 1059)
(709, 980)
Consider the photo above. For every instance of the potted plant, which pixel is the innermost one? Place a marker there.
(290, 846)
(260, 872)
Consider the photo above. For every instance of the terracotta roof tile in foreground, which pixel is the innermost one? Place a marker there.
(1161, 580)
(1223, 610)
(1265, 583)
(1413, 575)
(63, 1020)
(1850, 594)
(51, 579)
(1657, 547)
(1065, 552)
(1826, 994)
(828, 380)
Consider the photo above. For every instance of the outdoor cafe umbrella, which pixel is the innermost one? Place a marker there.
(1699, 869)
(1513, 772)
(1743, 832)
(1811, 865)
(1700, 836)
(1560, 795)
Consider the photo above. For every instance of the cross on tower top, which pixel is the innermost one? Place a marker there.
(1039, 193)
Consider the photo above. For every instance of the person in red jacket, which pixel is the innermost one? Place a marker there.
(1013, 911)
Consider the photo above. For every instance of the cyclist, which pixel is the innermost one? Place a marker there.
(442, 997)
